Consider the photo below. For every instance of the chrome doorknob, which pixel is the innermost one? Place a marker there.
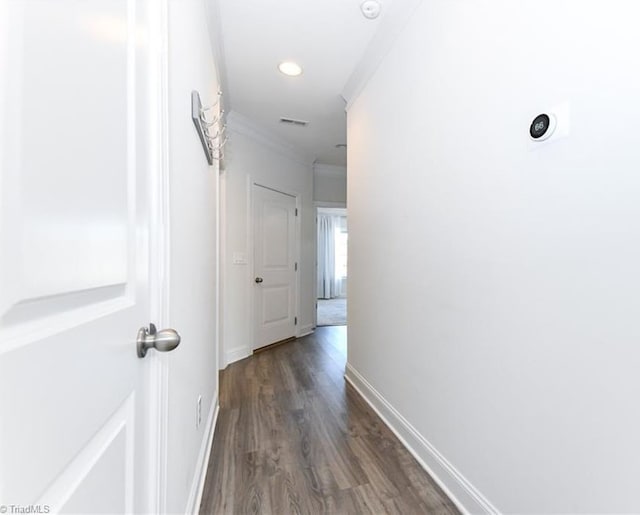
(259, 280)
(162, 341)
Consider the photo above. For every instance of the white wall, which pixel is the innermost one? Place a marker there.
(192, 367)
(330, 189)
(494, 301)
(255, 156)
(329, 184)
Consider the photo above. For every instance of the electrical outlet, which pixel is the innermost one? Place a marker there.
(199, 411)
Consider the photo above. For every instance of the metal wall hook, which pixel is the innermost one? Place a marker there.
(223, 142)
(220, 146)
(216, 120)
(204, 109)
(203, 126)
(218, 133)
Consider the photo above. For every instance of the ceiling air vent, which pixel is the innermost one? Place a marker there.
(291, 121)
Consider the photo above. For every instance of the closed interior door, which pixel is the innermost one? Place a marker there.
(74, 255)
(274, 265)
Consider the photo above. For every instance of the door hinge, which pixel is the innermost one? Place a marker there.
(296, 267)
(295, 320)
(296, 211)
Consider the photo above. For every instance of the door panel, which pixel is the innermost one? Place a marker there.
(274, 262)
(88, 484)
(74, 283)
(276, 305)
(275, 236)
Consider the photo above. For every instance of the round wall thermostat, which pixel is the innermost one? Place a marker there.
(542, 127)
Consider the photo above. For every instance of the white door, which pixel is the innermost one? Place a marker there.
(274, 222)
(74, 254)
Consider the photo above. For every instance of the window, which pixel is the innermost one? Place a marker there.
(341, 237)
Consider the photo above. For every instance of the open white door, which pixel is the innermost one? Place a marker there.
(75, 172)
(274, 222)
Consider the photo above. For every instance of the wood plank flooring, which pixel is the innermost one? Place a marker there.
(293, 437)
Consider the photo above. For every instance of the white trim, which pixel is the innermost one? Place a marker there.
(463, 494)
(240, 124)
(337, 211)
(233, 355)
(197, 486)
(250, 264)
(298, 271)
(393, 22)
(224, 268)
(306, 330)
(157, 382)
(327, 203)
(319, 205)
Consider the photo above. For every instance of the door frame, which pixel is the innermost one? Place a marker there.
(158, 377)
(316, 205)
(160, 267)
(251, 292)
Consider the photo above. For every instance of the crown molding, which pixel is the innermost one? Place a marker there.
(393, 22)
(241, 124)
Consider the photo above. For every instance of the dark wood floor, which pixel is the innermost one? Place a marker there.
(293, 437)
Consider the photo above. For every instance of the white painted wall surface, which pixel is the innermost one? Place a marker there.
(252, 155)
(329, 183)
(192, 368)
(494, 301)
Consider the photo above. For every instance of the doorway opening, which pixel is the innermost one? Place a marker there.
(332, 234)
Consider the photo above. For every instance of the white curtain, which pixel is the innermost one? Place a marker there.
(328, 283)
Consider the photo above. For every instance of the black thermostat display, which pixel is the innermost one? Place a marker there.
(540, 126)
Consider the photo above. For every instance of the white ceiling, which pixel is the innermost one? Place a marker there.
(326, 37)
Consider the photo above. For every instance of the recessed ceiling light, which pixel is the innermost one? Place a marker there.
(290, 68)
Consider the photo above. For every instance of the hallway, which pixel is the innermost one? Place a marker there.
(293, 437)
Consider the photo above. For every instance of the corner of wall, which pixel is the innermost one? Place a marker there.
(398, 15)
(236, 354)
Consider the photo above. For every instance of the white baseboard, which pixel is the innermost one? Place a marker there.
(233, 355)
(197, 486)
(465, 496)
(306, 330)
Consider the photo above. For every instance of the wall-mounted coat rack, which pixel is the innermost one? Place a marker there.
(210, 127)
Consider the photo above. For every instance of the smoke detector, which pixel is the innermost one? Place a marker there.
(370, 9)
